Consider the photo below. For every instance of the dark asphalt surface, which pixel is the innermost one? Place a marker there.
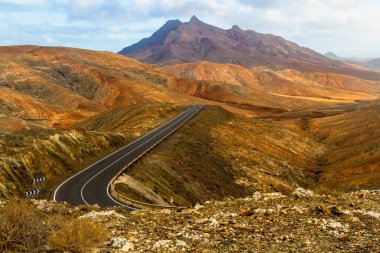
(91, 185)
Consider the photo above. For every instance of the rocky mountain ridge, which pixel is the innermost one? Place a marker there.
(183, 42)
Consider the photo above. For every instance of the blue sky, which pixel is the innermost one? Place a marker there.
(347, 27)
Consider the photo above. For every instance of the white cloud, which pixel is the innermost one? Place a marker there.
(343, 26)
(23, 2)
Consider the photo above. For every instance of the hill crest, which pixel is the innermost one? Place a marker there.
(179, 42)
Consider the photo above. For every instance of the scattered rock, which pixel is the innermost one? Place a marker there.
(213, 222)
(300, 193)
(198, 206)
(165, 211)
(181, 244)
(256, 196)
(267, 222)
(42, 205)
(297, 209)
(128, 246)
(368, 213)
(162, 244)
(118, 242)
(94, 214)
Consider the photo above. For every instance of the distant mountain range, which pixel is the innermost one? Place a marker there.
(333, 56)
(373, 64)
(184, 42)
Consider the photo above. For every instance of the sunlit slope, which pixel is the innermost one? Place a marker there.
(220, 154)
(286, 82)
(353, 159)
(61, 86)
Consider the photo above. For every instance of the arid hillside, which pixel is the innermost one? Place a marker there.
(322, 87)
(241, 155)
(57, 87)
(60, 86)
(219, 154)
(59, 153)
(353, 159)
(62, 108)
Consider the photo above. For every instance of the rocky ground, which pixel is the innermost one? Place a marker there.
(264, 222)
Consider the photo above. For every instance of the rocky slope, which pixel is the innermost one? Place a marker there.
(194, 41)
(262, 222)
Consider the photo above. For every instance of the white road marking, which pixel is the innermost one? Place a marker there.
(80, 172)
(173, 122)
(108, 186)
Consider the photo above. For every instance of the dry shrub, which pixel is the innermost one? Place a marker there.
(324, 190)
(22, 228)
(77, 236)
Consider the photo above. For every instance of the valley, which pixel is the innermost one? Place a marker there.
(195, 139)
(262, 129)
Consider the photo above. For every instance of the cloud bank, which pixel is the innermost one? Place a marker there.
(347, 27)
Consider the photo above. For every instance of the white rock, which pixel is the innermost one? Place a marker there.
(128, 246)
(260, 211)
(165, 211)
(256, 196)
(368, 213)
(161, 244)
(198, 206)
(94, 214)
(180, 233)
(42, 205)
(213, 222)
(230, 215)
(297, 209)
(201, 221)
(118, 242)
(180, 244)
(334, 224)
(2, 203)
(300, 192)
(373, 214)
(273, 195)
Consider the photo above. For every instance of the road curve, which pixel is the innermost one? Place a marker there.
(91, 185)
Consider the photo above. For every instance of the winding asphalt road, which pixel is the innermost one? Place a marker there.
(91, 185)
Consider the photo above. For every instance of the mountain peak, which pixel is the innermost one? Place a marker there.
(235, 27)
(198, 41)
(194, 19)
